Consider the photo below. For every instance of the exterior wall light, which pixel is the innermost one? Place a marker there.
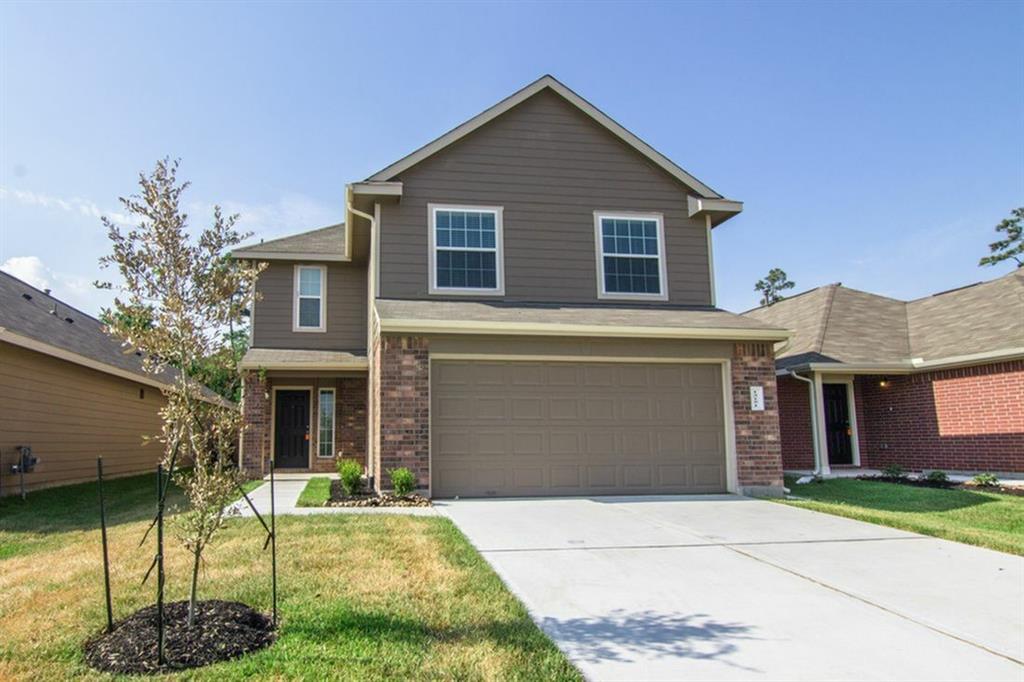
(884, 383)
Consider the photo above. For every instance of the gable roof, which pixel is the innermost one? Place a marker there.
(546, 82)
(836, 324)
(33, 319)
(324, 244)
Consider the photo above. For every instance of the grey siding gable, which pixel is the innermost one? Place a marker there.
(550, 167)
(345, 309)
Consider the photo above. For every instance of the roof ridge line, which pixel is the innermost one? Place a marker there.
(820, 343)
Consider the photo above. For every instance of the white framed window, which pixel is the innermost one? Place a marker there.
(466, 252)
(309, 309)
(325, 430)
(630, 256)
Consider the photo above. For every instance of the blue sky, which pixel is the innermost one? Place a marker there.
(875, 144)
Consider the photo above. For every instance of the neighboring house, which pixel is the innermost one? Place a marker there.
(524, 306)
(935, 383)
(70, 393)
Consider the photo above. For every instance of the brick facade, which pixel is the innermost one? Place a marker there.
(349, 421)
(966, 419)
(403, 365)
(256, 432)
(795, 431)
(758, 446)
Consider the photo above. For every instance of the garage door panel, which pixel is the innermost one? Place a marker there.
(562, 428)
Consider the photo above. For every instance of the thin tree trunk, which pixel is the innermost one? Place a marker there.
(193, 590)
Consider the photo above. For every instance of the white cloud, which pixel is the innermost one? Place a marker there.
(28, 269)
(75, 290)
(73, 205)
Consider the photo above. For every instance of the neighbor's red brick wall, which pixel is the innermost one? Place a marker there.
(404, 407)
(795, 431)
(967, 419)
(758, 446)
(256, 421)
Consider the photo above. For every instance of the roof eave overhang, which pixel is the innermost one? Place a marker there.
(355, 366)
(718, 210)
(415, 326)
(285, 255)
(916, 365)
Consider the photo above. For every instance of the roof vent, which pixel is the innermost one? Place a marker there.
(27, 297)
(69, 320)
(53, 310)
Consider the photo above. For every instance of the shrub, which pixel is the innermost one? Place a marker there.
(986, 480)
(351, 473)
(894, 471)
(402, 480)
(937, 476)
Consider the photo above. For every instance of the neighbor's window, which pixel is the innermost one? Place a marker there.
(466, 249)
(631, 259)
(325, 442)
(310, 281)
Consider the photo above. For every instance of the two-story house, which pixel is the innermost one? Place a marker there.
(524, 306)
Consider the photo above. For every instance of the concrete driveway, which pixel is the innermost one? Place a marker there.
(729, 588)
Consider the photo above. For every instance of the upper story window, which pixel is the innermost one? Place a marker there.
(630, 256)
(309, 311)
(466, 250)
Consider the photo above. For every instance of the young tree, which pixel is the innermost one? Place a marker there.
(1010, 247)
(179, 295)
(772, 286)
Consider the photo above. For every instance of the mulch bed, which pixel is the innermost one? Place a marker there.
(340, 499)
(947, 485)
(223, 630)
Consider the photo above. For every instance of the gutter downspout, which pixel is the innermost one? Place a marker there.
(371, 295)
(814, 420)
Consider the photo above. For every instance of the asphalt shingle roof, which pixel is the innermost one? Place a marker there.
(838, 324)
(31, 313)
(325, 241)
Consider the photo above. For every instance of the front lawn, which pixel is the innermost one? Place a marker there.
(316, 493)
(360, 597)
(977, 518)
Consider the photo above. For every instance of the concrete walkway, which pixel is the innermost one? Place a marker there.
(728, 588)
(287, 493)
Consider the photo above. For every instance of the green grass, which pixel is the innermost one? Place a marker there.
(249, 486)
(360, 597)
(978, 518)
(316, 493)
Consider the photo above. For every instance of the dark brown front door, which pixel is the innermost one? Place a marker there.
(837, 424)
(291, 429)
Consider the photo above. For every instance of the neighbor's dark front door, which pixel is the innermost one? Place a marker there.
(837, 424)
(291, 429)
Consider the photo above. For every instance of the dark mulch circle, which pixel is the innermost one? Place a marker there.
(340, 499)
(223, 630)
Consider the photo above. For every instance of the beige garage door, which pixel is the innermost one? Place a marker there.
(567, 428)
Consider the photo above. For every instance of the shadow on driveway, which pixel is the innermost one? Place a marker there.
(622, 636)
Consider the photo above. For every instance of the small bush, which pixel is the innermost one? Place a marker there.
(986, 480)
(894, 471)
(937, 476)
(351, 473)
(402, 480)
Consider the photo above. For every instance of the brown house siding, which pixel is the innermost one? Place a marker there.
(345, 309)
(70, 415)
(550, 167)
